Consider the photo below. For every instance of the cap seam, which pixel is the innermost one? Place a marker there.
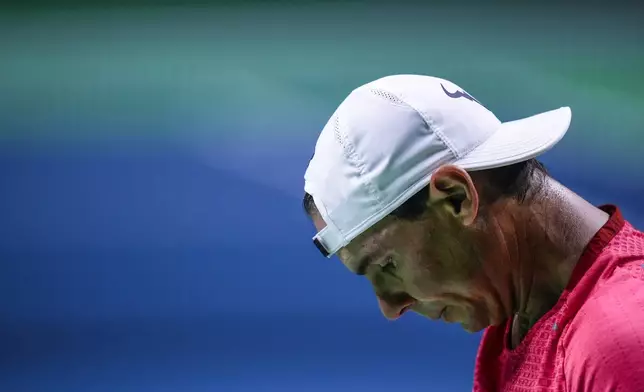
(353, 156)
(430, 124)
(437, 130)
(475, 146)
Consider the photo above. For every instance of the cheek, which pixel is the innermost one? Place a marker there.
(436, 261)
(423, 275)
(434, 271)
(423, 286)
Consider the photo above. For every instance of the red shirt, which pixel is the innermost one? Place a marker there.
(592, 339)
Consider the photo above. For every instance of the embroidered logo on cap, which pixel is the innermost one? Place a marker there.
(459, 94)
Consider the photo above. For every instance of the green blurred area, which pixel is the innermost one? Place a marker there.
(281, 69)
(103, 4)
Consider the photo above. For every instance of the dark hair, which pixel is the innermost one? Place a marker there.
(309, 204)
(516, 181)
(519, 181)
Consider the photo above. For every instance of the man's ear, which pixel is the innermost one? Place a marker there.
(452, 189)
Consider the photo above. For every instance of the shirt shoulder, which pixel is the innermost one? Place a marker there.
(604, 342)
(627, 244)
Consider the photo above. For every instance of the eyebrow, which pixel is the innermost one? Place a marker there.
(363, 264)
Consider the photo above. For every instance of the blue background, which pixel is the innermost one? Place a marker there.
(151, 162)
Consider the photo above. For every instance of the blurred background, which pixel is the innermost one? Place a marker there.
(151, 162)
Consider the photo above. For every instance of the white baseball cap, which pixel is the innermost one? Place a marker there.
(385, 140)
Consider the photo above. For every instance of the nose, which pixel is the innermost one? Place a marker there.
(392, 307)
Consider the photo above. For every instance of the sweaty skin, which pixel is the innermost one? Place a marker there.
(472, 262)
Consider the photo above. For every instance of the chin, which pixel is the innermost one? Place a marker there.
(497, 321)
(471, 329)
(472, 326)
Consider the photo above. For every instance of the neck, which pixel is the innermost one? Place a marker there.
(545, 242)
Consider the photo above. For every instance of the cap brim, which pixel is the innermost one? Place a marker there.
(520, 140)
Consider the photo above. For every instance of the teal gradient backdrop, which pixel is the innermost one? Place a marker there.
(267, 77)
(151, 164)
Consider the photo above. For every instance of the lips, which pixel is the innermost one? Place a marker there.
(436, 316)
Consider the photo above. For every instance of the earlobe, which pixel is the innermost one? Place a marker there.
(453, 188)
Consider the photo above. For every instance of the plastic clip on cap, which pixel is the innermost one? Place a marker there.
(318, 244)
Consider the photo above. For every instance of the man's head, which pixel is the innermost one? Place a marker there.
(429, 255)
(409, 185)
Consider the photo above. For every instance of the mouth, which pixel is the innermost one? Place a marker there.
(442, 314)
(437, 316)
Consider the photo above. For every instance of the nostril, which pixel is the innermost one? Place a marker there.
(394, 305)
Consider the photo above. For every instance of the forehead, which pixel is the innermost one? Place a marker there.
(375, 240)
